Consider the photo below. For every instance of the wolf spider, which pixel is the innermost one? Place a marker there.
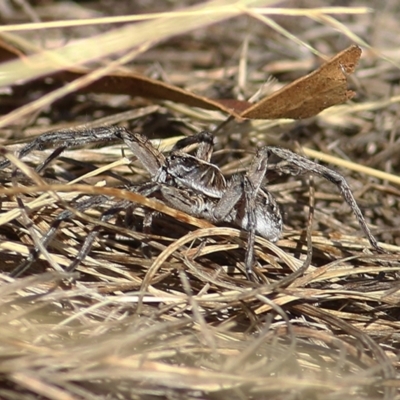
(192, 184)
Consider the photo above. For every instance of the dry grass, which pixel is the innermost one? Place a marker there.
(177, 318)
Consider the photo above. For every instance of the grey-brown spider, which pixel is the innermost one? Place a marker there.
(192, 184)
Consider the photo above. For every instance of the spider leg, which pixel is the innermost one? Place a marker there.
(250, 207)
(91, 237)
(146, 190)
(294, 164)
(50, 158)
(242, 204)
(189, 202)
(223, 211)
(250, 193)
(229, 200)
(244, 193)
(151, 159)
(66, 138)
(146, 153)
(49, 236)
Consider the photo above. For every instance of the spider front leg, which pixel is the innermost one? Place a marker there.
(145, 152)
(236, 206)
(64, 139)
(151, 159)
(294, 164)
(244, 196)
(250, 195)
(251, 208)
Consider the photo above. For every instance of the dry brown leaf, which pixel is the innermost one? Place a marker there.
(309, 95)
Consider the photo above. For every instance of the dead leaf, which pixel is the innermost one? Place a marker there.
(309, 95)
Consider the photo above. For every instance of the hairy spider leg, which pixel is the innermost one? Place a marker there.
(151, 159)
(66, 138)
(294, 164)
(50, 234)
(260, 215)
(91, 237)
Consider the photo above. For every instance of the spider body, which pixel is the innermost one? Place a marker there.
(194, 185)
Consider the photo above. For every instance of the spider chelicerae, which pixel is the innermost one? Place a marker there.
(194, 185)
